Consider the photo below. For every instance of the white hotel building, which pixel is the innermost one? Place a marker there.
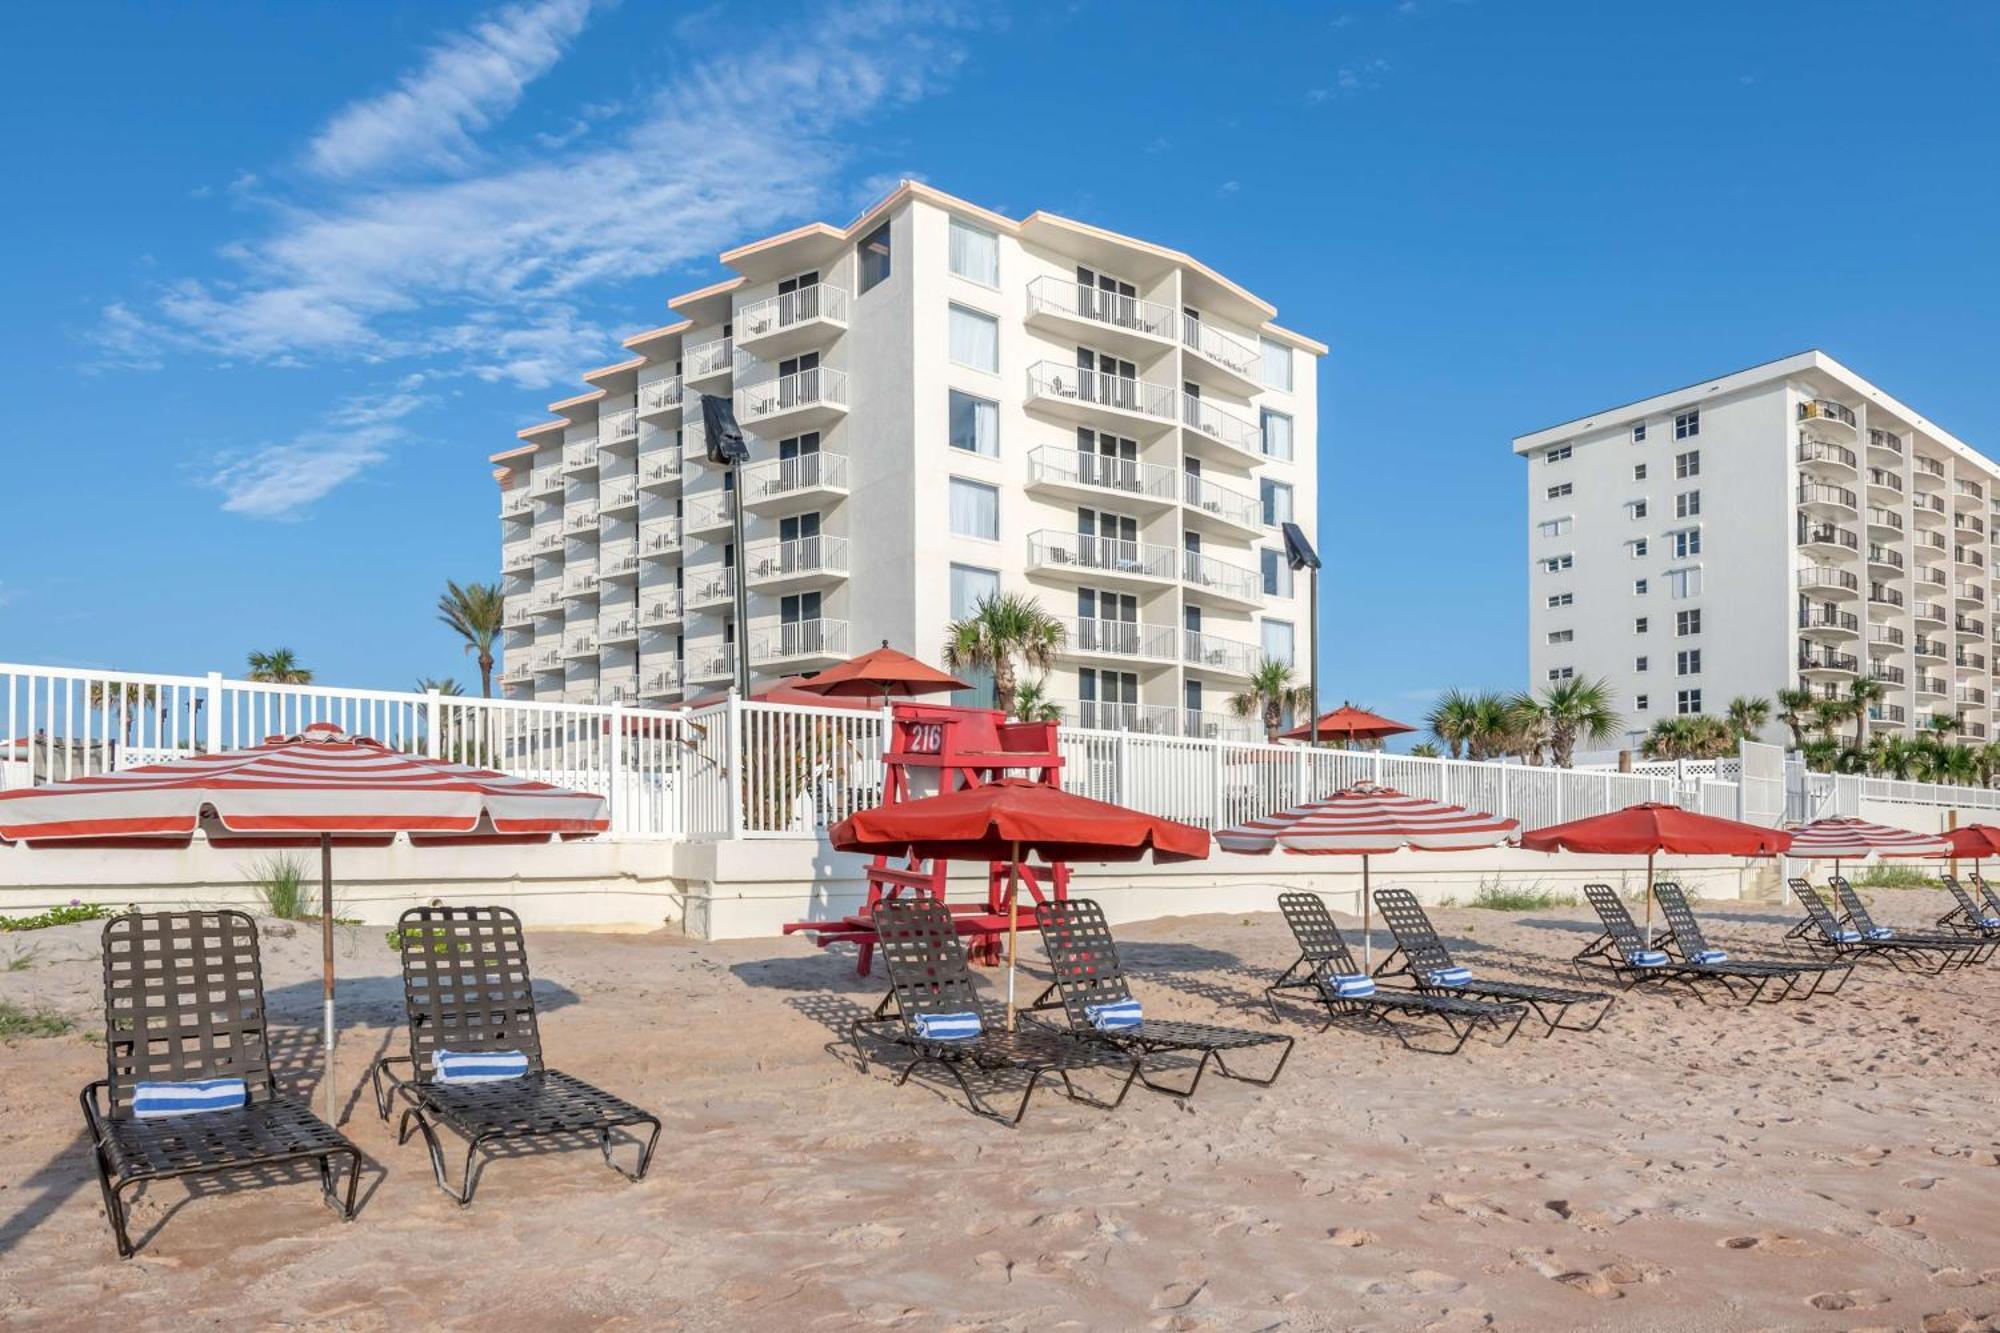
(940, 402)
(1783, 525)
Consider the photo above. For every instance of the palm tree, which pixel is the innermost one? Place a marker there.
(1989, 762)
(1033, 703)
(1895, 755)
(1863, 692)
(1577, 710)
(1528, 729)
(280, 666)
(1001, 628)
(1273, 689)
(1794, 706)
(1821, 753)
(444, 685)
(1492, 727)
(1944, 724)
(476, 613)
(1425, 750)
(1959, 764)
(1748, 715)
(1828, 714)
(1692, 737)
(1454, 716)
(127, 700)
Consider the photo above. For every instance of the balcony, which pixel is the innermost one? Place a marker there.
(1149, 719)
(1888, 442)
(621, 687)
(1125, 640)
(713, 586)
(1220, 726)
(792, 321)
(798, 644)
(801, 401)
(659, 607)
(546, 481)
(1213, 506)
(580, 643)
(1884, 560)
(1970, 527)
(1930, 541)
(804, 562)
(1076, 472)
(1822, 538)
(1930, 576)
(791, 485)
(1935, 650)
(1973, 730)
(580, 580)
(1213, 430)
(1969, 594)
(550, 542)
(547, 598)
(713, 663)
(1825, 454)
(1821, 500)
(711, 512)
(1886, 674)
(520, 612)
(1968, 627)
(1936, 687)
(1966, 661)
(661, 680)
(1228, 657)
(1238, 360)
(1221, 581)
(660, 396)
(1097, 399)
(1970, 556)
(660, 538)
(1882, 479)
(1834, 582)
(517, 675)
(619, 559)
(1969, 696)
(1824, 410)
(1072, 554)
(1929, 509)
(1968, 494)
(548, 659)
(580, 520)
(1883, 522)
(1930, 613)
(707, 360)
(516, 502)
(617, 427)
(1881, 594)
(621, 627)
(660, 469)
(1127, 325)
(581, 694)
(1927, 469)
(517, 556)
(1826, 662)
(1888, 637)
(1885, 715)
(616, 496)
(1826, 621)
(578, 458)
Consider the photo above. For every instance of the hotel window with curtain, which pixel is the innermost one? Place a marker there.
(975, 254)
(1277, 434)
(975, 424)
(971, 585)
(1278, 638)
(975, 509)
(875, 257)
(975, 340)
(1277, 499)
(1277, 365)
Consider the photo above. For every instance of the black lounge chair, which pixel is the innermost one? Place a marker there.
(1421, 956)
(1855, 913)
(466, 989)
(1967, 918)
(1324, 956)
(1685, 939)
(1631, 960)
(184, 1002)
(1083, 959)
(1823, 932)
(928, 976)
(1986, 891)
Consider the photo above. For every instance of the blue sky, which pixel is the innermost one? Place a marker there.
(281, 276)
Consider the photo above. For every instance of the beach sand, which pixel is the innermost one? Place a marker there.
(1827, 1165)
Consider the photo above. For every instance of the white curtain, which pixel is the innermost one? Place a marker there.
(1277, 503)
(975, 424)
(975, 254)
(1277, 434)
(1277, 365)
(1278, 641)
(975, 509)
(975, 339)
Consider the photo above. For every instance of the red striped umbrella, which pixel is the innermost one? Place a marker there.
(1367, 820)
(1857, 839)
(322, 783)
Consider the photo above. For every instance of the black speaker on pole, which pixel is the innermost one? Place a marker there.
(723, 437)
(1299, 554)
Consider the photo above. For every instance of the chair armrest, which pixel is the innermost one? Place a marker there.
(95, 1115)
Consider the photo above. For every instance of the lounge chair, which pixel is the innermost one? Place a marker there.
(1421, 956)
(1327, 974)
(184, 1004)
(933, 1013)
(1091, 992)
(1685, 939)
(1823, 932)
(1855, 913)
(1633, 961)
(1967, 917)
(1986, 891)
(466, 992)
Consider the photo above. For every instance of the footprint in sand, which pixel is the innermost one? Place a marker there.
(1919, 1183)
(1352, 1237)
(1768, 1242)
(1957, 1277)
(1950, 1321)
(867, 1236)
(1868, 1156)
(1893, 1219)
(1460, 1321)
(1433, 1283)
(1179, 1295)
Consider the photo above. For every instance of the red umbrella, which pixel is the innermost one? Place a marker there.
(879, 673)
(323, 784)
(1654, 827)
(1000, 820)
(1364, 820)
(1349, 723)
(1977, 841)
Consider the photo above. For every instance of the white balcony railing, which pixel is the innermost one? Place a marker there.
(1221, 577)
(620, 494)
(580, 643)
(660, 468)
(819, 470)
(660, 395)
(774, 314)
(710, 586)
(823, 554)
(620, 628)
(716, 662)
(619, 688)
(548, 659)
(619, 559)
(617, 427)
(1226, 427)
(796, 639)
(1054, 549)
(660, 536)
(1245, 511)
(715, 509)
(580, 579)
(821, 386)
(1119, 638)
(579, 519)
(1225, 349)
(1214, 726)
(659, 606)
(580, 457)
(517, 555)
(546, 597)
(550, 542)
(516, 501)
(546, 481)
(704, 359)
(1093, 305)
(1053, 380)
(1151, 719)
(1219, 654)
(662, 680)
(1077, 467)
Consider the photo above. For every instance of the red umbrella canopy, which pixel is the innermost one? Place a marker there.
(1855, 839)
(1349, 723)
(322, 781)
(1641, 830)
(986, 823)
(880, 672)
(1977, 841)
(1366, 819)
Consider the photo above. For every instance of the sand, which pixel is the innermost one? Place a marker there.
(1829, 1165)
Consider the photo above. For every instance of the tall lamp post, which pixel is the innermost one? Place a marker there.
(1300, 555)
(725, 447)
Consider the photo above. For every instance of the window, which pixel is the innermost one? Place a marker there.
(975, 254)
(1687, 542)
(1276, 571)
(1561, 673)
(975, 340)
(1687, 622)
(1684, 582)
(1637, 547)
(1554, 564)
(1638, 587)
(1554, 527)
(1640, 664)
(1557, 599)
(1277, 498)
(1688, 701)
(1687, 424)
(1638, 472)
(1559, 454)
(971, 585)
(1277, 365)
(1687, 504)
(975, 509)
(874, 253)
(1638, 508)
(1687, 662)
(1562, 636)
(1688, 464)
(1277, 434)
(1638, 432)
(1278, 637)
(1639, 702)
(974, 424)
(1641, 625)
(1560, 491)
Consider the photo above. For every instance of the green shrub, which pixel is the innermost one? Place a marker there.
(56, 916)
(18, 1022)
(1886, 876)
(1498, 897)
(281, 883)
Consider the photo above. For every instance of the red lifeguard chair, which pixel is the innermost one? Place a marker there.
(933, 749)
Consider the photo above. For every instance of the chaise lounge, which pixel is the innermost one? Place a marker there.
(1824, 932)
(1422, 957)
(1632, 961)
(1855, 913)
(1966, 918)
(1686, 940)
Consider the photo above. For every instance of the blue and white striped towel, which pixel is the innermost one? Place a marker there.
(1706, 956)
(1350, 985)
(1880, 933)
(1990, 922)
(1846, 936)
(949, 1027)
(151, 1101)
(1117, 1016)
(1448, 976)
(478, 1066)
(1647, 958)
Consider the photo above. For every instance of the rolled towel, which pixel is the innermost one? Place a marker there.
(1846, 936)
(478, 1066)
(1116, 1016)
(1990, 922)
(1647, 958)
(1707, 956)
(949, 1027)
(1880, 933)
(152, 1101)
(1350, 985)
(1448, 976)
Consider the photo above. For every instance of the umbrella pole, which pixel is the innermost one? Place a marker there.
(1367, 929)
(1013, 925)
(326, 956)
(1649, 900)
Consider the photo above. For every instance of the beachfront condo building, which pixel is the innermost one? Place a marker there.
(1790, 525)
(941, 403)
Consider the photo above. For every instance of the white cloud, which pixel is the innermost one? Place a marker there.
(280, 480)
(464, 85)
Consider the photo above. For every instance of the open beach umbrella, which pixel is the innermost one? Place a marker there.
(322, 784)
(1348, 723)
(1653, 827)
(1976, 841)
(1848, 839)
(1368, 820)
(880, 673)
(1010, 817)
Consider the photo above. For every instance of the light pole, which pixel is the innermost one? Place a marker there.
(725, 447)
(1300, 555)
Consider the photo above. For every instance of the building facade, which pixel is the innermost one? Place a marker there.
(1787, 525)
(941, 403)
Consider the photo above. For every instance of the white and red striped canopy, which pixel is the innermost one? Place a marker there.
(1366, 819)
(323, 781)
(1856, 839)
